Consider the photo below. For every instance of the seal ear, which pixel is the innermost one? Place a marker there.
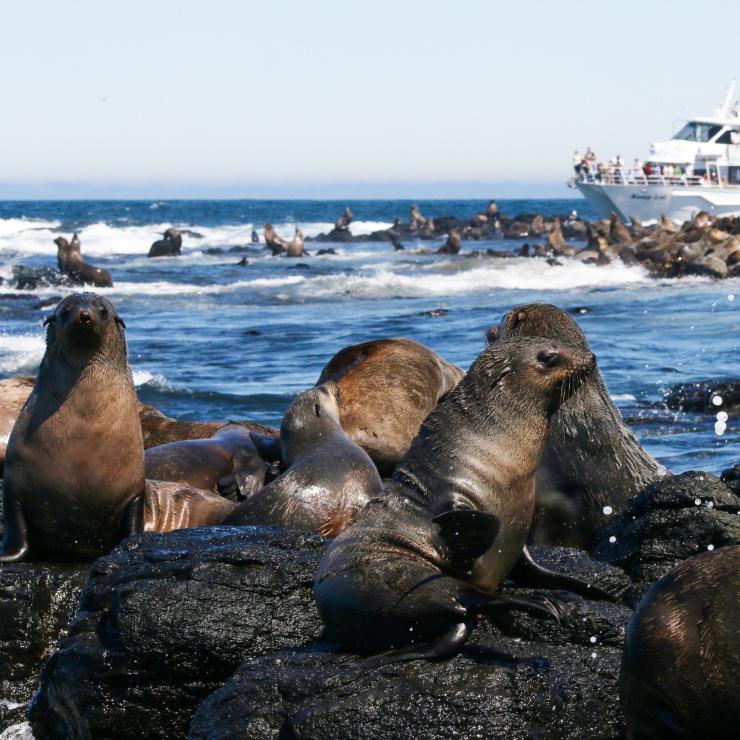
(493, 335)
(120, 322)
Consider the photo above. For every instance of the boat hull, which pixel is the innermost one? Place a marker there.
(647, 203)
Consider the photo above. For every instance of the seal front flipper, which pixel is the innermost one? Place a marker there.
(447, 645)
(466, 534)
(133, 519)
(529, 573)
(268, 447)
(15, 535)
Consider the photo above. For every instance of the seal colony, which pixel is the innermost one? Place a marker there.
(524, 447)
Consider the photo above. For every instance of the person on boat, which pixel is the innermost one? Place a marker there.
(577, 163)
(648, 169)
(637, 170)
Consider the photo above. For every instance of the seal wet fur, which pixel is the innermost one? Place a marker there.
(74, 466)
(424, 561)
(591, 458)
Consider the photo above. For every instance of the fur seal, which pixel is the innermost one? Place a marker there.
(680, 675)
(255, 237)
(273, 242)
(227, 462)
(13, 395)
(74, 467)
(328, 477)
(169, 246)
(295, 246)
(343, 222)
(453, 243)
(386, 389)
(416, 219)
(423, 561)
(591, 459)
(72, 264)
(169, 506)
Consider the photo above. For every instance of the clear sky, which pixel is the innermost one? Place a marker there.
(167, 98)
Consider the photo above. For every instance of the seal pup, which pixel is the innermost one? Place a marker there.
(424, 561)
(680, 675)
(386, 388)
(13, 395)
(273, 242)
(328, 477)
(72, 264)
(169, 506)
(169, 246)
(227, 462)
(74, 467)
(295, 246)
(591, 459)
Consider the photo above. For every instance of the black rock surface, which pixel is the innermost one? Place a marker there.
(705, 396)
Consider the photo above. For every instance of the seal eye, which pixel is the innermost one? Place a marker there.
(548, 357)
(65, 314)
(104, 313)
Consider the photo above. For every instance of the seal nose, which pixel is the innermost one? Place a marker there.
(86, 316)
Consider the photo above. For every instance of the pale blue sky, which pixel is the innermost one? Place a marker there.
(232, 98)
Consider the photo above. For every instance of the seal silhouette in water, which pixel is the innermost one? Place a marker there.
(74, 467)
(591, 459)
(328, 477)
(424, 561)
(170, 245)
(386, 388)
(680, 675)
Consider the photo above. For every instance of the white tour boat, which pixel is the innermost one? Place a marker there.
(697, 170)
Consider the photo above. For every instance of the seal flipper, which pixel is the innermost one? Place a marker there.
(529, 573)
(133, 518)
(268, 447)
(15, 535)
(466, 534)
(447, 645)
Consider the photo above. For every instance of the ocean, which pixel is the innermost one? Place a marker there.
(210, 339)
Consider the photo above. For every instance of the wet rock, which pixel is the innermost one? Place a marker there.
(731, 477)
(37, 602)
(708, 396)
(166, 618)
(675, 518)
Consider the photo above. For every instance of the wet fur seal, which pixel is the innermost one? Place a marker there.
(169, 506)
(453, 243)
(72, 264)
(169, 246)
(423, 561)
(295, 246)
(328, 477)
(591, 458)
(74, 467)
(14, 393)
(227, 462)
(680, 674)
(387, 387)
(273, 242)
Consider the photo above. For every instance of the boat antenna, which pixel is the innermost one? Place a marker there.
(727, 106)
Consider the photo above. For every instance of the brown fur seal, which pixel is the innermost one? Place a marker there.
(169, 246)
(387, 387)
(680, 674)
(72, 264)
(343, 222)
(328, 477)
(13, 395)
(416, 219)
(74, 468)
(227, 462)
(591, 459)
(295, 246)
(273, 242)
(423, 561)
(453, 243)
(169, 506)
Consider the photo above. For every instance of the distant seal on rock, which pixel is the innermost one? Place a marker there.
(273, 242)
(453, 243)
(295, 246)
(416, 219)
(74, 467)
(328, 477)
(169, 246)
(343, 222)
(422, 562)
(591, 459)
(169, 506)
(680, 675)
(227, 462)
(386, 389)
(72, 264)
(13, 395)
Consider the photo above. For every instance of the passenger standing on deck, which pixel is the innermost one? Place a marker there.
(577, 163)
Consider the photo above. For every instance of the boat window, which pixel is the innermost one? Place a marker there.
(731, 136)
(733, 175)
(701, 132)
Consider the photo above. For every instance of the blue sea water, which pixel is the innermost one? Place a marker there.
(209, 339)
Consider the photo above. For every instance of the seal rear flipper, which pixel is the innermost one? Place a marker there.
(228, 487)
(446, 646)
(15, 535)
(466, 534)
(133, 518)
(268, 447)
(538, 605)
(528, 573)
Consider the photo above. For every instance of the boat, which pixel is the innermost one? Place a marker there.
(698, 169)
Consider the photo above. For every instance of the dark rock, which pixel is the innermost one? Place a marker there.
(731, 477)
(214, 250)
(243, 262)
(330, 250)
(252, 333)
(300, 266)
(435, 312)
(165, 619)
(700, 394)
(665, 525)
(37, 602)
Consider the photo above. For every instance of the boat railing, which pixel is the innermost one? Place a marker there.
(615, 175)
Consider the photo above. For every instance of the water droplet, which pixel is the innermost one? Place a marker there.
(592, 638)
(607, 510)
(612, 539)
(719, 428)
(710, 504)
(593, 655)
(710, 548)
(721, 416)
(697, 501)
(717, 400)
(731, 297)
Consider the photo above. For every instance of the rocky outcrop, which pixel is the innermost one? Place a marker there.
(165, 619)
(705, 396)
(675, 518)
